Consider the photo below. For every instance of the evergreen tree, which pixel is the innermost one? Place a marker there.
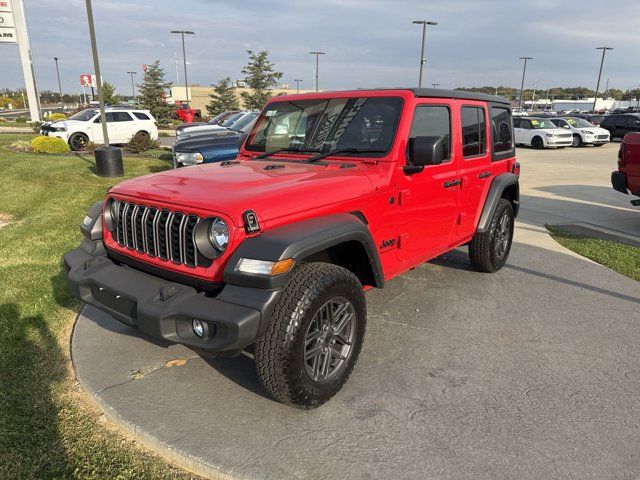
(261, 77)
(109, 93)
(224, 98)
(152, 92)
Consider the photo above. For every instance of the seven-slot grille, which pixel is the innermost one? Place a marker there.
(161, 233)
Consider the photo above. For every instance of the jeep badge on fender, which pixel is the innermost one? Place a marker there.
(276, 249)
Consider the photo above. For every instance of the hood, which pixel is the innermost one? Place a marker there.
(188, 143)
(270, 188)
(200, 128)
(66, 123)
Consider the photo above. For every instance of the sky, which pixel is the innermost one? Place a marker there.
(368, 43)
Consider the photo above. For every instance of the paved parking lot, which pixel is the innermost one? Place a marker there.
(528, 373)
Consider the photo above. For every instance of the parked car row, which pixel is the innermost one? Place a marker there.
(545, 132)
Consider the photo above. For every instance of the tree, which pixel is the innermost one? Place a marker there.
(109, 93)
(153, 92)
(224, 98)
(261, 78)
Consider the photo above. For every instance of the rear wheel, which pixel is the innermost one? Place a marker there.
(537, 143)
(142, 135)
(314, 337)
(490, 249)
(78, 142)
(577, 140)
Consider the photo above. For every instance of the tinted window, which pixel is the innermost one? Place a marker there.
(631, 121)
(501, 129)
(608, 120)
(121, 117)
(141, 116)
(516, 122)
(433, 121)
(326, 124)
(474, 131)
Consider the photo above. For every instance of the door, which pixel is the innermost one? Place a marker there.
(475, 165)
(124, 127)
(428, 200)
(111, 129)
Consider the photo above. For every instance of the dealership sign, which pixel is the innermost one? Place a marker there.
(88, 80)
(7, 24)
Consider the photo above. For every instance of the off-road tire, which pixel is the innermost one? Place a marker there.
(537, 143)
(483, 249)
(280, 353)
(76, 139)
(577, 140)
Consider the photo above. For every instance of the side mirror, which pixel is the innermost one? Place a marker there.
(425, 151)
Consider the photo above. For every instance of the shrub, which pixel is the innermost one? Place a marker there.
(44, 144)
(141, 142)
(21, 119)
(2, 120)
(54, 117)
(21, 146)
(35, 126)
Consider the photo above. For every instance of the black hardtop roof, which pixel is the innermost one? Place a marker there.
(458, 94)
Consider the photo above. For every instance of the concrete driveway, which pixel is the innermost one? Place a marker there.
(529, 373)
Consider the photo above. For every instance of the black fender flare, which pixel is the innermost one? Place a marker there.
(298, 240)
(498, 185)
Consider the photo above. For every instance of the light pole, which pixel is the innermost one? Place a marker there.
(59, 84)
(524, 72)
(133, 86)
(317, 54)
(604, 51)
(423, 60)
(184, 59)
(297, 80)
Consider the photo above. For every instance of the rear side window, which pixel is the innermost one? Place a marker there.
(501, 133)
(433, 121)
(121, 117)
(631, 121)
(474, 131)
(141, 116)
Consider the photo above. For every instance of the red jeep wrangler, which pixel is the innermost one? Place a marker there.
(186, 114)
(627, 178)
(331, 194)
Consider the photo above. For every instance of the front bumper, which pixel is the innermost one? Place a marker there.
(619, 182)
(165, 310)
(559, 142)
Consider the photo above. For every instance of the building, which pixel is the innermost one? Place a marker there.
(586, 104)
(199, 97)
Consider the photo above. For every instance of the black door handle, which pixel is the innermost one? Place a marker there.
(452, 183)
(484, 174)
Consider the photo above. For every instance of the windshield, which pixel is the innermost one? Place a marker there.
(579, 122)
(230, 120)
(322, 125)
(242, 121)
(539, 123)
(85, 115)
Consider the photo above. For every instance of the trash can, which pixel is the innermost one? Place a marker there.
(109, 162)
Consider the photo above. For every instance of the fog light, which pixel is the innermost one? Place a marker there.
(198, 328)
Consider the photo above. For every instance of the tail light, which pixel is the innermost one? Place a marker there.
(515, 169)
(621, 160)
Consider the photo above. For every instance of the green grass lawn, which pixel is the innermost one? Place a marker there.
(12, 123)
(48, 428)
(624, 259)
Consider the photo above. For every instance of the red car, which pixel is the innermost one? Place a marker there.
(627, 178)
(186, 114)
(332, 193)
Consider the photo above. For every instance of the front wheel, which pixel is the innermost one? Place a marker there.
(489, 250)
(537, 143)
(314, 336)
(78, 142)
(577, 141)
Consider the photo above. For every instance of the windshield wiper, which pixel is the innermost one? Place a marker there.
(282, 150)
(343, 150)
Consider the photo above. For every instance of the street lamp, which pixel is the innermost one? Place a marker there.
(59, 84)
(423, 60)
(133, 87)
(317, 54)
(604, 51)
(297, 80)
(184, 59)
(524, 72)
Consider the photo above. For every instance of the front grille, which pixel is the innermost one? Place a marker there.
(603, 137)
(159, 233)
(565, 135)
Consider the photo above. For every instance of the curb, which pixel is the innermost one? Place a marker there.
(598, 232)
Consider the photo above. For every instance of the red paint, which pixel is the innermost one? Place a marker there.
(423, 218)
(629, 161)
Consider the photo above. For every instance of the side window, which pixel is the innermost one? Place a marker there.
(122, 117)
(516, 123)
(474, 131)
(501, 132)
(433, 121)
(631, 121)
(141, 116)
(109, 116)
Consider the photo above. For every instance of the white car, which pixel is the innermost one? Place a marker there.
(584, 133)
(84, 127)
(540, 133)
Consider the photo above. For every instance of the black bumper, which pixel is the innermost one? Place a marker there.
(619, 182)
(165, 310)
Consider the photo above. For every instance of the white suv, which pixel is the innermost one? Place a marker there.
(85, 127)
(584, 133)
(540, 133)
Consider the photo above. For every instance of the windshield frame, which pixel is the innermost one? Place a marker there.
(250, 150)
(79, 117)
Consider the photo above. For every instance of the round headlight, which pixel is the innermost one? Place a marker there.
(219, 234)
(111, 214)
